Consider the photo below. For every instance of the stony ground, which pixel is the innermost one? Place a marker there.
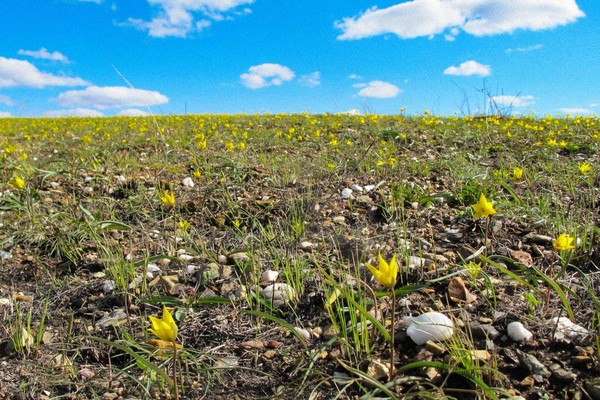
(92, 341)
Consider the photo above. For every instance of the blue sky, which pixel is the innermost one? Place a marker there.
(451, 57)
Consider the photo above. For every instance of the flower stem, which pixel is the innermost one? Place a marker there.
(175, 385)
(392, 331)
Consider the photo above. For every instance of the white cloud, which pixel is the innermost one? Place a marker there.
(378, 89)
(176, 17)
(6, 101)
(354, 76)
(4, 114)
(259, 76)
(133, 112)
(524, 49)
(110, 97)
(513, 101)
(575, 111)
(44, 54)
(469, 68)
(419, 18)
(311, 80)
(74, 112)
(15, 72)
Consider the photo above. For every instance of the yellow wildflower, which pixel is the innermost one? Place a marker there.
(17, 182)
(483, 208)
(184, 225)
(518, 173)
(168, 198)
(386, 273)
(585, 167)
(165, 328)
(563, 242)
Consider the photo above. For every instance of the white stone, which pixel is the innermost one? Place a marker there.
(188, 182)
(304, 333)
(432, 326)
(108, 286)
(278, 291)
(517, 332)
(566, 328)
(190, 269)
(346, 193)
(153, 268)
(357, 188)
(269, 276)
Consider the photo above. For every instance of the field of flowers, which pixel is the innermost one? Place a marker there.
(315, 256)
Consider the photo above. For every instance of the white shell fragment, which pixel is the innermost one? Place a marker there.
(356, 188)
(432, 326)
(517, 332)
(565, 329)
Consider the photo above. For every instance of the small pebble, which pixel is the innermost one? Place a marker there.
(517, 332)
(346, 194)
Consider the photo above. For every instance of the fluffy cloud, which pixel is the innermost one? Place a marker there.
(378, 89)
(74, 112)
(176, 17)
(513, 101)
(418, 18)
(259, 76)
(311, 80)
(44, 54)
(469, 68)
(15, 72)
(575, 111)
(524, 49)
(4, 114)
(132, 112)
(110, 97)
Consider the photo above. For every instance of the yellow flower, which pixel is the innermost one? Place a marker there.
(484, 208)
(563, 242)
(165, 328)
(168, 198)
(17, 182)
(197, 174)
(518, 173)
(387, 273)
(184, 225)
(584, 168)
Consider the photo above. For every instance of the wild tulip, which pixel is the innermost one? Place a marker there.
(563, 242)
(168, 198)
(483, 208)
(17, 183)
(387, 273)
